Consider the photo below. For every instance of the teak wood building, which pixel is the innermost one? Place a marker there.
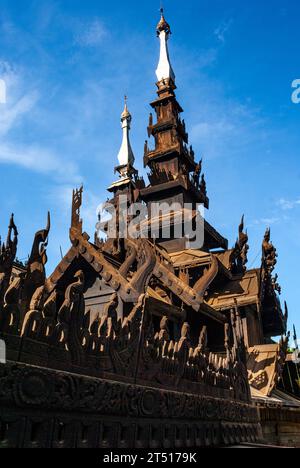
(144, 341)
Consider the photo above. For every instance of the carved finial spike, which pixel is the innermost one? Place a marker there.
(286, 309)
(11, 227)
(268, 234)
(295, 336)
(48, 222)
(242, 225)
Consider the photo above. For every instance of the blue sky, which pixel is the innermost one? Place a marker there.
(68, 64)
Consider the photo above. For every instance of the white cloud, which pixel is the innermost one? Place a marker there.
(38, 159)
(266, 222)
(27, 154)
(91, 34)
(270, 221)
(17, 103)
(286, 205)
(12, 113)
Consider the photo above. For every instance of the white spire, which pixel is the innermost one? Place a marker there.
(126, 156)
(164, 69)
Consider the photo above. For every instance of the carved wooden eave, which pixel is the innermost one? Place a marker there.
(179, 182)
(164, 96)
(121, 184)
(193, 259)
(224, 271)
(190, 259)
(216, 237)
(166, 125)
(61, 269)
(224, 258)
(243, 291)
(96, 259)
(99, 263)
(194, 297)
(178, 287)
(177, 150)
(171, 152)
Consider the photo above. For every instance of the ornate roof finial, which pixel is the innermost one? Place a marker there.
(11, 227)
(125, 113)
(269, 259)
(126, 156)
(163, 25)
(164, 70)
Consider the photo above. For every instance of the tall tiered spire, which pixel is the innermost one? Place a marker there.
(164, 70)
(175, 176)
(129, 177)
(171, 161)
(125, 156)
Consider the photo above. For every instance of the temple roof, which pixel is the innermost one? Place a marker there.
(244, 290)
(123, 182)
(188, 258)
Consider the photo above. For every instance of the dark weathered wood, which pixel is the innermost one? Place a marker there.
(142, 342)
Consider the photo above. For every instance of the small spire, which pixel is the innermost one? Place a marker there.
(126, 156)
(163, 25)
(125, 114)
(164, 70)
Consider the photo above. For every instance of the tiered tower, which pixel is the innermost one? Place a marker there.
(128, 185)
(175, 176)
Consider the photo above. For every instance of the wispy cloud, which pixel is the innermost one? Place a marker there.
(286, 204)
(222, 30)
(21, 103)
(91, 34)
(267, 222)
(38, 159)
(11, 114)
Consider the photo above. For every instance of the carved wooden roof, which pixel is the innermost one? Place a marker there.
(244, 290)
(189, 258)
